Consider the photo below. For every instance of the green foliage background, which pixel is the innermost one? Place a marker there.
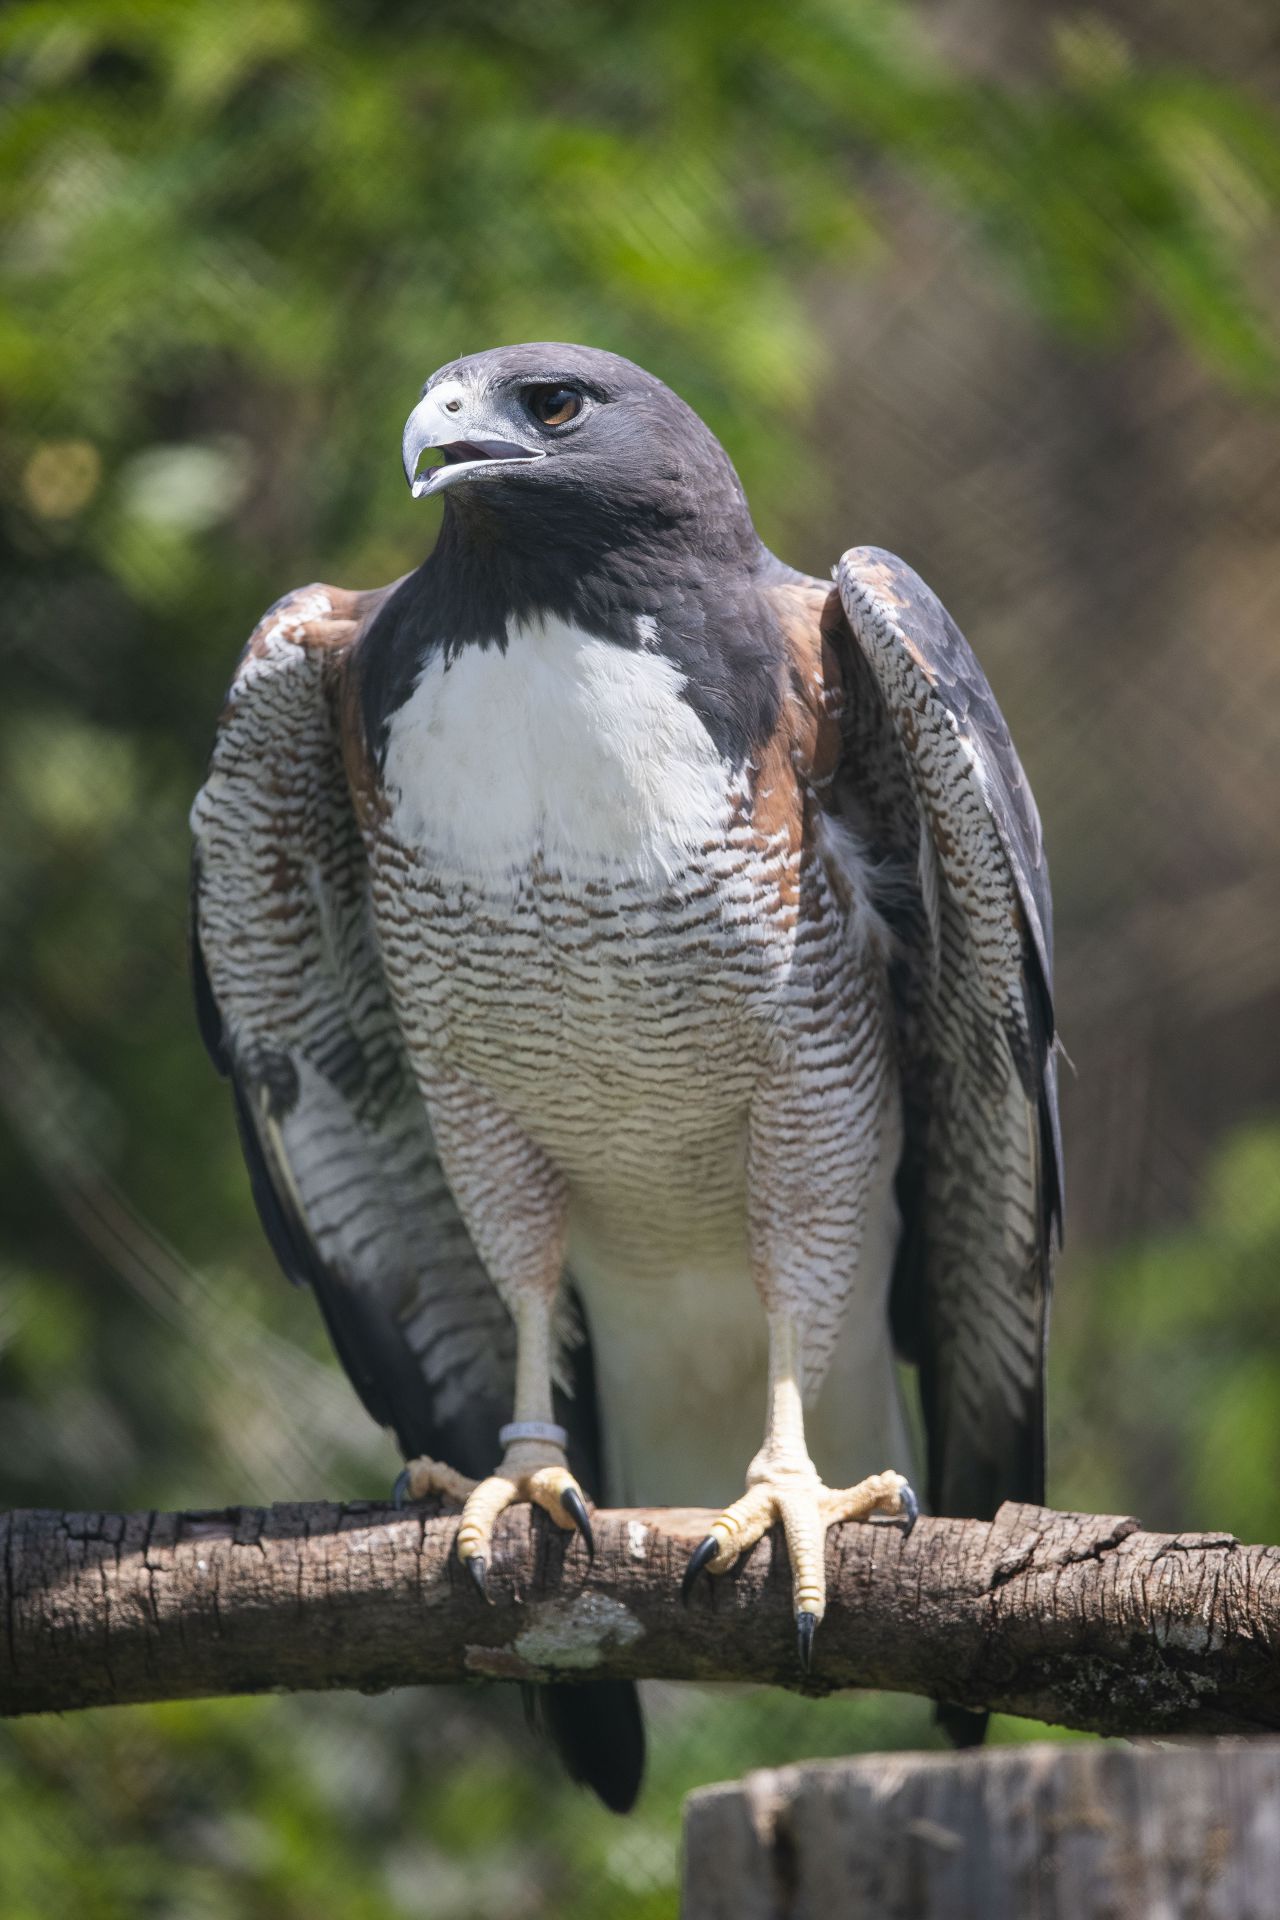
(237, 236)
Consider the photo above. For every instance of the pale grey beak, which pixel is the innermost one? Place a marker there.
(465, 437)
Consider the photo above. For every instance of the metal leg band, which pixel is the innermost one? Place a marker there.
(533, 1430)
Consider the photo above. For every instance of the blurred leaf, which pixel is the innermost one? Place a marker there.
(1165, 1367)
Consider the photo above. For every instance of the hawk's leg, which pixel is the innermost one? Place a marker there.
(533, 1468)
(823, 1139)
(514, 1204)
(783, 1485)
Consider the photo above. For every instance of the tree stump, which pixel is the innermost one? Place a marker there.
(1189, 1831)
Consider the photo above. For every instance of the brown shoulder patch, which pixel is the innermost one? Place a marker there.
(804, 750)
(815, 688)
(320, 617)
(314, 616)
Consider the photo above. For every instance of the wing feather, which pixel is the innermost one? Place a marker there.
(931, 780)
(294, 1006)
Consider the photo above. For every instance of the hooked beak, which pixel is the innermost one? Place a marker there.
(466, 451)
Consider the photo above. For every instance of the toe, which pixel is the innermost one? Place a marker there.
(895, 1505)
(475, 1529)
(882, 1496)
(805, 1528)
(742, 1524)
(424, 1476)
(737, 1528)
(555, 1490)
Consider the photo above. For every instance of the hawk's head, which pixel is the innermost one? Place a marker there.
(550, 427)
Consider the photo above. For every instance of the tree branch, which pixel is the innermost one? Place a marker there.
(1081, 1619)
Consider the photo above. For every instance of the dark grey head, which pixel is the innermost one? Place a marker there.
(571, 434)
(578, 486)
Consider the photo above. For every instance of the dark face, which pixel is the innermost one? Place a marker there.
(550, 428)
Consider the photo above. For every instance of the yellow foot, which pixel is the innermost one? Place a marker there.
(533, 1471)
(806, 1508)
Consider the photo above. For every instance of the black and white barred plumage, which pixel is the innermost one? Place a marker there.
(606, 894)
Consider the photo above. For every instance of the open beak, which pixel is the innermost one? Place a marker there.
(466, 442)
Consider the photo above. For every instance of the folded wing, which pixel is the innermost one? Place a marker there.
(930, 779)
(294, 1008)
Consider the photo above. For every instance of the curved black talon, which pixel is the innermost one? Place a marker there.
(906, 1516)
(477, 1566)
(576, 1508)
(806, 1627)
(400, 1491)
(704, 1551)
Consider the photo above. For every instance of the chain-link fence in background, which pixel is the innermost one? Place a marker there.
(236, 242)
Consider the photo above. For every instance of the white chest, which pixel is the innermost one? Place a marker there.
(565, 748)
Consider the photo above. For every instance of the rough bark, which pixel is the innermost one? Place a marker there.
(1065, 1833)
(1085, 1620)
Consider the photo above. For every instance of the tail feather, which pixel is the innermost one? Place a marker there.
(962, 1726)
(598, 1730)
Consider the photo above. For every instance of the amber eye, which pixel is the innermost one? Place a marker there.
(554, 405)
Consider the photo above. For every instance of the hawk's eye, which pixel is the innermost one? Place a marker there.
(554, 406)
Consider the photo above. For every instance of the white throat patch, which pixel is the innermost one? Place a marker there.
(566, 747)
